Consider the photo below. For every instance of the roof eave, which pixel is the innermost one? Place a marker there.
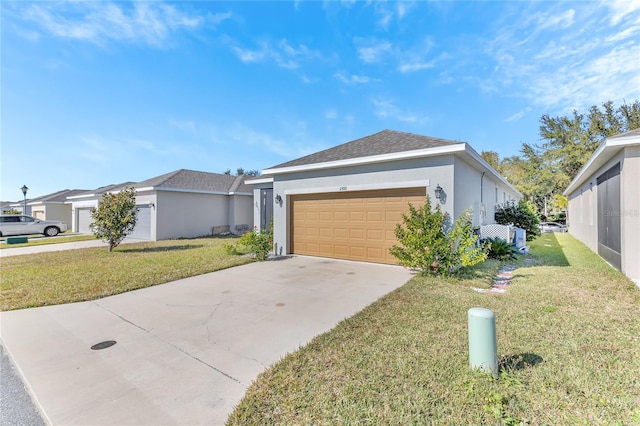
(404, 155)
(607, 150)
(478, 158)
(373, 159)
(259, 181)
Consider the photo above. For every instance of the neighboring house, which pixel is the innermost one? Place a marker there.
(81, 205)
(54, 206)
(18, 206)
(6, 206)
(344, 202)
(180, 204)
(604, 203)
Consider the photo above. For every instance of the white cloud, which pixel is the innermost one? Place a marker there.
(373, 50)
(518, 115)
(99, 22)
(283, 53)
(563, 20)
(621, 9)
(387, 108)
(559, 68)
(331, 114)
(388, 12)
(352, 79)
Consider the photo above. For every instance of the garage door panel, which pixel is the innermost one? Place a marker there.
(350, 225)
(341, 216)
(375, 235)
(375, 216)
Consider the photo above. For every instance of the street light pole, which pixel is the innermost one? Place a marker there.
(24, 192)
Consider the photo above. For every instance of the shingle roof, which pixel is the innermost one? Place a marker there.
(384, 142)
(58, 197)
(635, 132)
(99, 191)
(197, 181)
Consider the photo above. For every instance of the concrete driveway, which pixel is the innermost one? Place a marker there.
(186, 351)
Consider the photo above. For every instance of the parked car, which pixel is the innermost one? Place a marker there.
(25, 225)
(552, 227)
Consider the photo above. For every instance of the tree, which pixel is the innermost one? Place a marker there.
(240, 172)
(492, 158)
(523, 215)
(542, 171)
(115, 217)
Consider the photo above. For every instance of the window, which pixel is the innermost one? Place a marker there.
(10, 219)
(26, 219)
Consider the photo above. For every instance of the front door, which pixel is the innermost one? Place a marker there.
(266, 208)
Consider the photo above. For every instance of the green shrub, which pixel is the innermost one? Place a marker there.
(229, 249)
(499, 248)
(427, 244)
(258, 243)
(523, 215)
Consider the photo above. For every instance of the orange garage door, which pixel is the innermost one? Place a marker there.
(350, 225)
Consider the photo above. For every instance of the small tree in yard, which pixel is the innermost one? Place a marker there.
(115, 217)
(426, 244)
(523, 215)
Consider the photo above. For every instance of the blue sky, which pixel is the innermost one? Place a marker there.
(95, 93)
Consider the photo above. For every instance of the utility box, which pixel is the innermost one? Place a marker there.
(16, 240)
(483, 349)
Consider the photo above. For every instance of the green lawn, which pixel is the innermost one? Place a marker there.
(568, 340)
(86, 274)
(40, 240)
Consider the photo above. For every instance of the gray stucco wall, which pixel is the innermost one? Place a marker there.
(583, 210)
(427, 172)
(479, 193)
(187, 215)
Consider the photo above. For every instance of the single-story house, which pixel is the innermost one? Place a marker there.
(180, 204)
(82, 203)
(54, 206)
(604, 203)
(344, 202)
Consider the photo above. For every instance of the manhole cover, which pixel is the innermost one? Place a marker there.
(103, 345)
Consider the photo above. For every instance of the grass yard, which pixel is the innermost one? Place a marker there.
(86, 274)
(39, 240)
(568, 340)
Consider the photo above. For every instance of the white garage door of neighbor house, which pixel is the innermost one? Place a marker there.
(142, 231)
(350, 225)
(83, 216)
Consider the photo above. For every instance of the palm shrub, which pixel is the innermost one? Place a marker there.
(524, 215)
(427, 242)
(499, 248)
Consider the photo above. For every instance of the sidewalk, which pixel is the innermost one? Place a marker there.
(7, 252)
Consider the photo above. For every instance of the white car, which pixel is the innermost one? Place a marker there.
(16, 224)
(552, 227)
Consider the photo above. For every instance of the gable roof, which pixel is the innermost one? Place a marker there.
(384, 142)
(605, 152)
(385, 146)
(192, 180)
(99, 191)
(57, 197)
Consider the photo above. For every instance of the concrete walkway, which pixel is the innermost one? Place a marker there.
(186, 351)
(18, 251)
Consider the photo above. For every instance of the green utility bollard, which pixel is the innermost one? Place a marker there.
(483, 350)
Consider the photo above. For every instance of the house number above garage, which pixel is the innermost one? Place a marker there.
(343, 188)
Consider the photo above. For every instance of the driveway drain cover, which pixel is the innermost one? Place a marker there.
(103, 345)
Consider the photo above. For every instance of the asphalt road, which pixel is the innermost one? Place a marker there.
(16, 406)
